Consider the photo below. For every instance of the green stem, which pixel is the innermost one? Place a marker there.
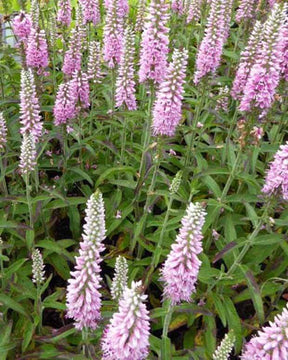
(123, 142)
(2, 168)
(167, 319)
(38, 305)
(28, 197)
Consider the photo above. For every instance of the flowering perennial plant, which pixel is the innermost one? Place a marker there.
(94, 71)
(125, 83)
(167, 110)
(37, 267)
(73, 56)
(64, 12)
(247, 60)
(140, 17)
(265, 74)
(246, 10)
(154, 43)
(27, 154)
(113, 34)
(79, 87)
(120, 279)
(194, 10)
(91, 11)
(277, 175)
(3, 132)
(29, 106)
(216, 32)
(127, 335)
(180, 270)
(22, 25)
(83, 296)
(271, 343)
(37, 49)
(64, 108)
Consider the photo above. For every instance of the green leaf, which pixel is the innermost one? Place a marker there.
(166, 348)
(12, 304)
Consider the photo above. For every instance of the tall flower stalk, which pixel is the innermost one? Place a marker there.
(120, 278)
(127, 335)
(73, 56)
(216, 32)
(167, 111)
(154, 43)
(94, 71)
(83, 296)
(246, 10)
(37, 49)
(91, 11)
(64, 12)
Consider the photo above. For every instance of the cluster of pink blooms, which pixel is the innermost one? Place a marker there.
(177, 6)
(284, 63)
(271, 343)
(127, 335)
(27, 154)
(167, 110)
(94, 71)
(277, 176)
(64, 108)
(216, 33)
(29, 106)
(122, 7)
(264, 76)
(223, 100)
(83, 296)
(80, 89)
(246, 10)
(64, 12)
(113, 34)
(194, 10)
(248, 58)
(3, 131)
(154, 43)
(91, 11)
(125, 83)
(73, 56)
(22, 25)
(37, 49)
(180, 270)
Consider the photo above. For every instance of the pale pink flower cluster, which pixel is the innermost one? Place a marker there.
(37, 49)
(248, 59)
(73, 56)
(194, 10)
(154, 43)
(181, 268)
(22, 25)
(125, 82)
(246, 10)
(83, 296)
(167, 111)
(265, 74)
(284, 62)
(271, 343)
(277, 175)
(64, 108)
(3, 132)
(127, 335)
(29, 106)
(222, 102)
(122, 6)
(140, 17)
(113, 34)
(38, 271)
(91, 11)
(80, 89)
(64, 12)
(94, 71)
(27, 154)
(177, 6)
(216, 33)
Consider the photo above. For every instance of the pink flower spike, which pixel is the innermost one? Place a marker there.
(91, 11)
(246, 10)
(113, 35)
(28, 154)
(73, 56)
(154, 43)
(79, 87)
(216, 33)
(64, 12)
(194, 10)
(83, 296)
(29, 106)
(127, 335)
(37, 49)
(270, 342)
(277, 175)
(167, 110)
(95, 62)
(125, 83)
(3, 132)
(64, 108)
(180, 270)
(22, 25)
